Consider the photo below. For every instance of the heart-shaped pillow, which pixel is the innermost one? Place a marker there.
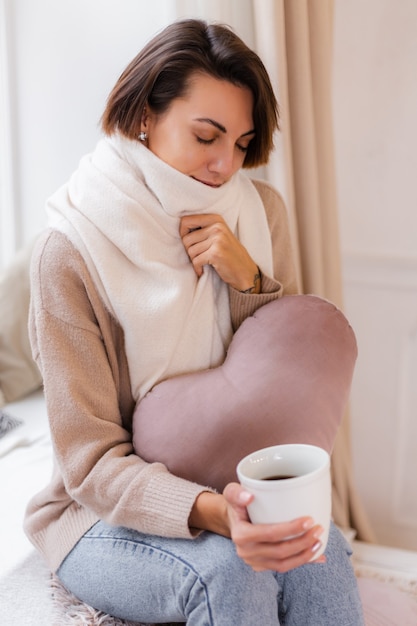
(286, 379)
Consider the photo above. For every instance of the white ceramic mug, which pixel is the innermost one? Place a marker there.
(306, 492)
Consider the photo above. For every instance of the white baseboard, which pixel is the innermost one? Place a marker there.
(389, 563)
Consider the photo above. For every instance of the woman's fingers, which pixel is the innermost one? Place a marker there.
(208, 241)
(204, 238)
(279, 547)
(280, 555)
(191, 223)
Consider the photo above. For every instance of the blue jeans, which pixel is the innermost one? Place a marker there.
(204, 583)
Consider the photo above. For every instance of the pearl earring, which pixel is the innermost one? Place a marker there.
(143, 136)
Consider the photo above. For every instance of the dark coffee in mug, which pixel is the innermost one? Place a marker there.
(280, 477)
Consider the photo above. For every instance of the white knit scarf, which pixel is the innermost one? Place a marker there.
(122, 209)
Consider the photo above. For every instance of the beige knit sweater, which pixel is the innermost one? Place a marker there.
(79, 348)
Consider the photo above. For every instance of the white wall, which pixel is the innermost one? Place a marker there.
(63, 58)
(375, 98)
(58, 62)
(375, 106)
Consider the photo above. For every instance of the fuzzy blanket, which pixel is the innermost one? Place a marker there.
(69, 611)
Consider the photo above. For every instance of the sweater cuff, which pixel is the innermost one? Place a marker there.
(168, 501)
(244, 305)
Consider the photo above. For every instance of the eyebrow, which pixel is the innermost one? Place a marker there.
(219, 126)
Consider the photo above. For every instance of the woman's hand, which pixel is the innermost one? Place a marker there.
(266, 546)
(262, 546)
(209, 241)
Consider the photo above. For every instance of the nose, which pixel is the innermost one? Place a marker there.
(224, 162)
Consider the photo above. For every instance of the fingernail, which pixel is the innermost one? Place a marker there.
(316, 546)
(244, 497)
(318, 532)
(309, 523)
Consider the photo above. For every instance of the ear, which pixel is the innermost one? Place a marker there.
(145, 119)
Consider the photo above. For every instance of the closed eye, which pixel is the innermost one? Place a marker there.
(206, 142)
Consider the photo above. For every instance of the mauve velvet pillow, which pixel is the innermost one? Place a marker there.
(286, 379)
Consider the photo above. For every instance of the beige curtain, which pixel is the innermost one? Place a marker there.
(294, 37)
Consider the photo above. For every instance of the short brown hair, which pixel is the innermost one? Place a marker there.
(161, 72)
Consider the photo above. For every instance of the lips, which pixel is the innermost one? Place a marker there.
(206, 182)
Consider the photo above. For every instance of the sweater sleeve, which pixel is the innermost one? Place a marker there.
(284, 280)
(79, 348)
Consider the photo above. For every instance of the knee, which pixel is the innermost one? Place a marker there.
(224, 570)
(337, 546)
(231, 592)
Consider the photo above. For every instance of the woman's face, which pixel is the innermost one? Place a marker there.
(206, 133)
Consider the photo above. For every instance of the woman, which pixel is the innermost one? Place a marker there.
(159, 247)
